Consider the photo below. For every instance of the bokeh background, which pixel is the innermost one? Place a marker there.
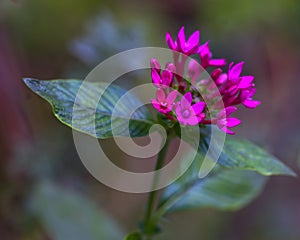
(45, 191)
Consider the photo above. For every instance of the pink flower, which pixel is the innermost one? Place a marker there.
(188, 114)
(165, 78)
(223, 122)
(238, 89)
(181, 45)
(206, 58)
(164, 104)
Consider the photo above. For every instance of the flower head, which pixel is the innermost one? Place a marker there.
(222, 94)
(188, 114)
(164, 104)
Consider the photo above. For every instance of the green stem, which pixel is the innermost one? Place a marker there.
(176, 196)
(150, 226)
(171, 201)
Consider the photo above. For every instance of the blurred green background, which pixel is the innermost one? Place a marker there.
(46, 193)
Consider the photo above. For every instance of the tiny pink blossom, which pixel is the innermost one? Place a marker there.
(188, 114)
(181, 45)
(223, 122)
(164, 104)
(162, 80)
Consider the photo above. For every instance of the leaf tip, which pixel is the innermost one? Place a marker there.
(291, 173)
(285, 171)
(30, 82)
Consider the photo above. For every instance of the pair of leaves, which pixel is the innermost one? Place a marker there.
(229, 187)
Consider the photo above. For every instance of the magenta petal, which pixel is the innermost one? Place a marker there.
(171, 67)
(230, 110)
(198, 107)
(217, 62)
(194, 70)
(166, 76)
(251, 92)
(155, 64)
(178, 110)
(160, 95)
(170, 42)
(221, 114)
(193, 120)
(193, 66)
(180, 118)
(155, 78)
(181, 39)
(221, 79)
(235, 71)
(155, 104)
(194, 39)
(200, 117)
(216, 73)
(251, 103)
(226, 130)
(232, 122)
(188, 97)
(202, 47)
(171, 97)
(205, 51)
(246, 82)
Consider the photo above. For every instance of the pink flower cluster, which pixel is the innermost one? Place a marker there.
(178, 98)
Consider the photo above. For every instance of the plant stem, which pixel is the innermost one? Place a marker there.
(171, 201)
(176, 196)
(150, 226)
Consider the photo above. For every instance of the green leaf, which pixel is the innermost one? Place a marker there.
(233, 183)
(224, 189)
(93, 117)
(244, 155)
(134, 236)
(69, 215)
